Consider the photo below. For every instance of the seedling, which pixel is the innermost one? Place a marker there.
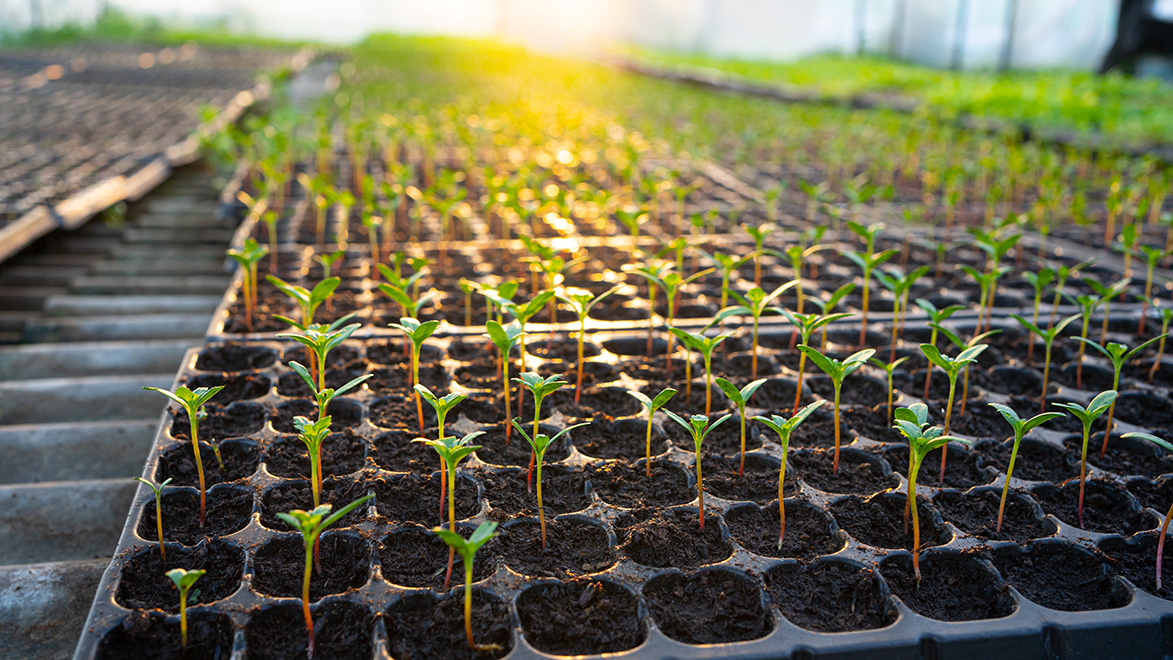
(754, 304)
(540, 388)
(308, 300)
(1062, 274)
(1164, 523)
(158, 511)
(468, 550)
(1106, 294)
(699, 428)
(581, 304)
(632, 217)
(247, 257)
(1152, 256)
(452, 451)
(313, 434)
(828, 307)
(899, 285)
(410, 304)
(184, 580)
(1118, 355)
(868, 261)
(652, 405)
(327, 261)
(1048, 337)
(837, 371)
(418, 333)
(705, 346)
(1166, 317)
(539, 443)
(1038, 282)
(442, 406)
(987, 285)
(1086, 416)
(1021, 428)
(311, 525)
(961, 345)
(319, 343)
(504, 337)
(740, 398)
(784, 427)
(726, 265)
(671, 283)
(806, 325)
(912, 422)
(888, 368)
(193, 402)
(522, 315)
(952, 368)
(467, 287)
(653, 274)
(758, 234)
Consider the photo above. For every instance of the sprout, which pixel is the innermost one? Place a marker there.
(796, 254)
(372, 222)
(1106, 294)
(1117, 354)
(539, 443)
(581, 303)
(308, 300)
(452, 451)
(1166, 317)
(504, 337)
(740, 398)
(987, 283)
(1164, 523)
(311, 525)
(522, 314)
(468, 550)
(837, 371)
(937, 318)
(805, 325)
(1086, 416)
(652, 405)
(632, 217)
(467, 286)
(671, 283)
(828, 306)
(184, 579)
(911, 422)
(418, 333)
(1152, 257)
(698, 427)
(1038, 282)
(319, 343)
(654, 275)
(758, 234)
(784, 427)
(158, 490)
(247, 257)
(442, 406)
(868, 260)
(410, 304)
(540, 388)
(753, 304)
(192, 402)
(1048, 337)
(726, 265)
(1021, 428)
(705, 346)
(327, 262)
(952, 367)
(888, 368)
(899, 285)
(956, 340)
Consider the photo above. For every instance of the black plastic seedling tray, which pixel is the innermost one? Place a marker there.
(1130, 622)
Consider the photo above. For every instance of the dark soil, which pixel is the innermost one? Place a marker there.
(415, 498)
(777, 394)
(237, 387)
(231, 421)
(593, 372)
(397, 379)
(279, 567)
(399, 412)
(859, 473)
(413, 556)
(617, 438)
(979, 421)
(859, 390)
(976, 513)
(564, 490)
(872, 423)
(423, 627)
(574, 547)
(614, 401)
(758, 484)
(1106, 509)
(228, 509)
(818, 430)
(491, 409)
(1136, 560)
(179, 465)
(344, 414)
(342, 453)
(395, 451)
(145, 585)
(961, 467)
(710, 607)
(580, 617)
(148, 636)
(342, 631)
(1060, 576)
(1036, 461)
(233, 356)
(672, 538)
(879, 521)
(1029, 407)
(517, 452)
(1147, 410)
(1156, 495)
(829, 596)
(628, 486)
(809, 530)
(292, 495)
(952, 587)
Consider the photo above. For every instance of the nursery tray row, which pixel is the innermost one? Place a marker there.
(629, 571)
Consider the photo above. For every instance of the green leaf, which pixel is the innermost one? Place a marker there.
(1149, 438)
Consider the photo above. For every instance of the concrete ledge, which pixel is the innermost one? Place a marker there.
(100, 398)
(62, 521)
(117, 328)
(37, 453)
(35, 361)
(43, 607)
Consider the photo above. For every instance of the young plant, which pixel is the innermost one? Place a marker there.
(837, 371)
(784, 427)
(184, 580)
(1164, 523)
(313, 434)
(158, 511)
(1086, 416)
(632, 217)
(740, 398)
(868, 261)
(308, 300)
(468, 550)
(912, 422)
(1106, 295)
(193, 402)
(442, 406)
(327, 261)
(504, 337)
(754, 304)
(1048, 336)
(827, 307)
(1152, 256)
(759, 234)
(705, 346)
(806, 325)
(311, 525)
(522, 314)
(1166, 317)
(961, 345)
(888, 368)
(900, 285)
(248, 256)
(319, 343)
(1038, 282)
(987, 285)
(540, 388)
(581, 304)
(726, 265)
(699, 428)
(418, 333)
(539, 443)
(1118, 355)
(671, 282)
(1021, 428)
(452, 451)
(653, 274)
(652, 405)
(952, 368)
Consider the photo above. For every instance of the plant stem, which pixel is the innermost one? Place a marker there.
(183, 616)
(700, 488)
(798, 388)
(578, 380)
(863, 323)
(1083, 472)
(415, 380)
(195, 443)
(948, 414)
(915, 520)
(505, 381)
(541, 511)
(1009, 472)
(781, 501)
(468, 605)
(305, 599)
(1111, 409)
(741, 412)
(159, 524)
(1161, 545)
(929, 370)
(1046, 374)
(529, 477)
(451, 524)
(835, 462)
(753, 368)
